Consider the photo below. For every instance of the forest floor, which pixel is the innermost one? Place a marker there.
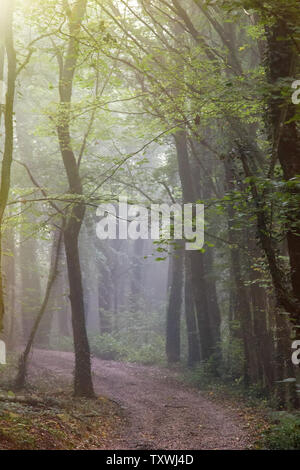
(45, 415)
(156, 409)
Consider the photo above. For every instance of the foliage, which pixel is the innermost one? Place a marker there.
(233, 359)
(148, 354)
(213, 377)
(284, 434)
(107, 347)
(146, 75)
(116, 347)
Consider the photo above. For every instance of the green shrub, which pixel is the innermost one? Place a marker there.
(284, 434)
(118, 348)
(107, 347)
(233, 359)
(148, 354)
(115, 348)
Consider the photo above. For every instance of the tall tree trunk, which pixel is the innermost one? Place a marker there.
(190, 316)
(64, 313)
(196, 258)
(174, 308)
(82, 376)
(212, 298)
(282, 58)
(83, 385)
(242, 307)
(204, 187)
(263, 349)
(7, 16)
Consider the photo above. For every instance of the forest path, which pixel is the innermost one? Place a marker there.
(161, 412)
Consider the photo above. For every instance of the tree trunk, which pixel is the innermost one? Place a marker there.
(242, 307)
(281, 65)
(190, 316)
(7, 16)
(174, 308)
(196, 258)
(83, 376)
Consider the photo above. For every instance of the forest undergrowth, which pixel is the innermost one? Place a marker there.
(46, 416)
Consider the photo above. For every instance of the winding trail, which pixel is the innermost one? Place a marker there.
(161, 412)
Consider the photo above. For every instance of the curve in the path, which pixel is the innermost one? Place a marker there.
(162, 412)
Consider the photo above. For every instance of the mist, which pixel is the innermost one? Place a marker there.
(149, 221)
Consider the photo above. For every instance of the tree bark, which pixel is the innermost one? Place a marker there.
(196, 258)
(83, 385)
(8, 7)
(190, 316)
(174, 308)
(281, 65)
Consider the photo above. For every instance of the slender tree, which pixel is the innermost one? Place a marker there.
(7, 27)
(83, 378)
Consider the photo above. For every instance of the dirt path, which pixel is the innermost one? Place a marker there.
(162, 413)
